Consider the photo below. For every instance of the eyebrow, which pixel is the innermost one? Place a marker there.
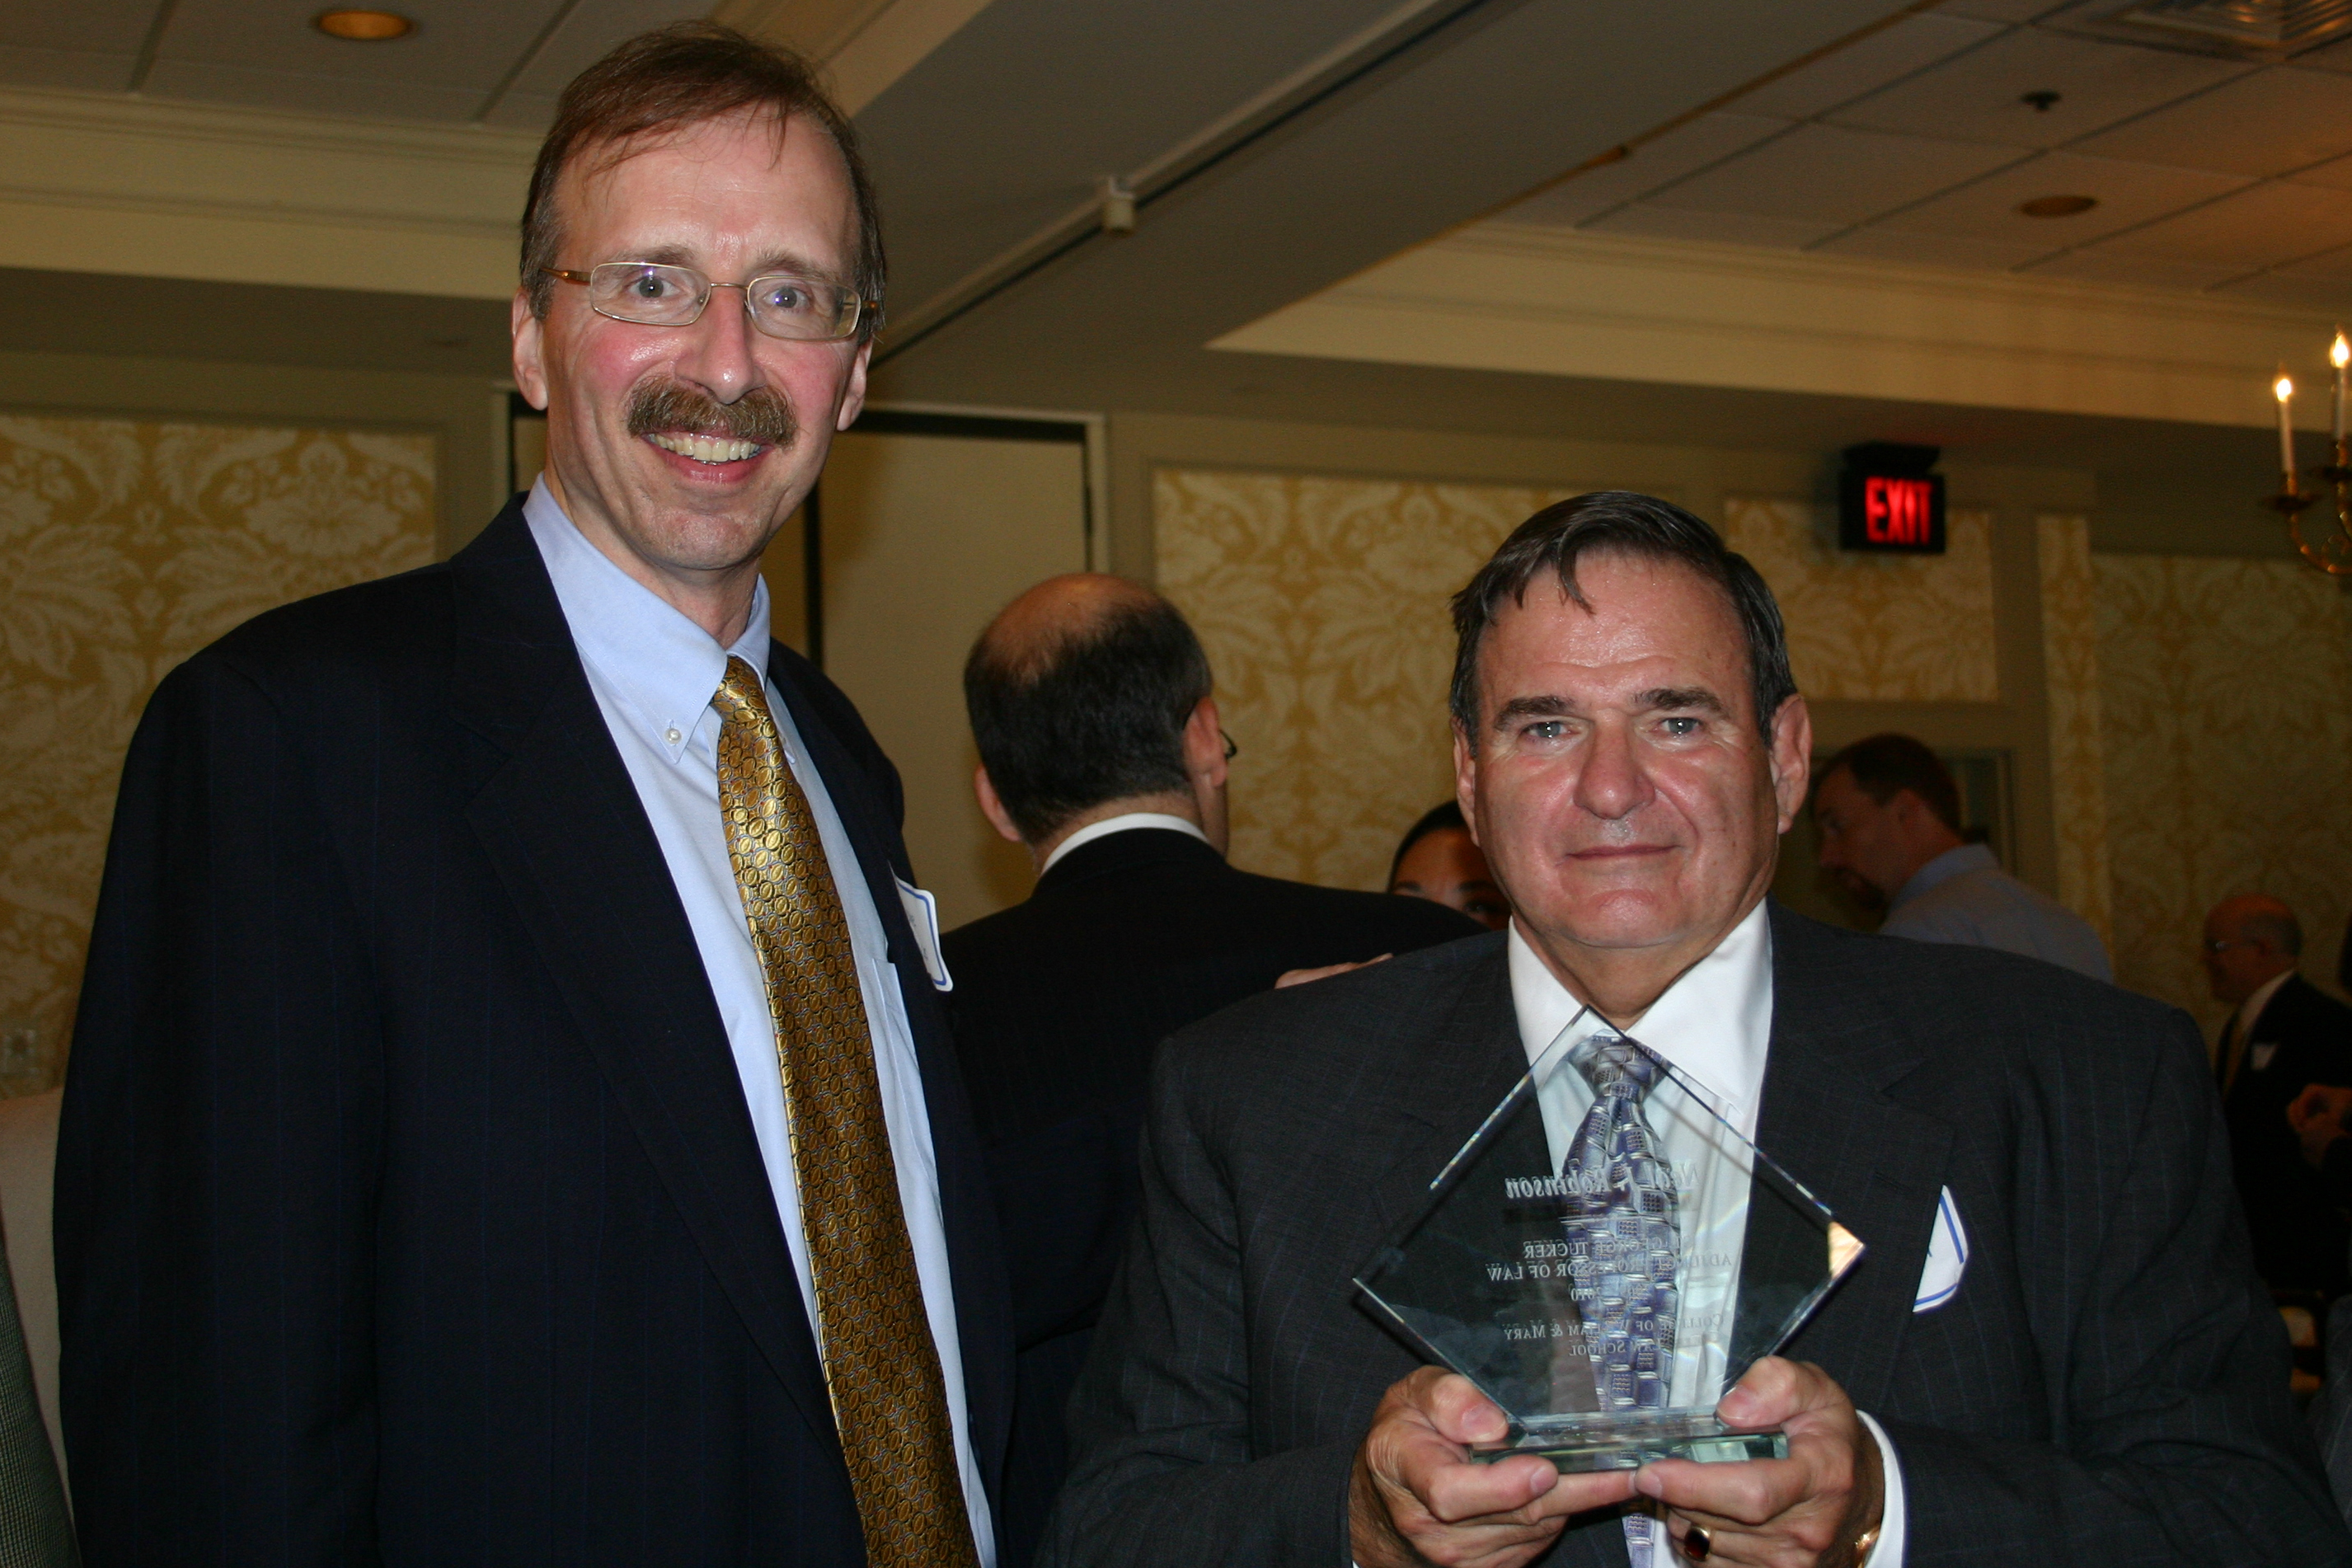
(773, 262)
(1673, 697)
(1658, 699)
(1531, 708)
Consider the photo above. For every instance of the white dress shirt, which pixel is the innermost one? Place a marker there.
(1714, 1025)
(1110, 825)
(654, 673)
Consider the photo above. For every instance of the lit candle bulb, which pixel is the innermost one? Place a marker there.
(2339, 354)
(2283, 389)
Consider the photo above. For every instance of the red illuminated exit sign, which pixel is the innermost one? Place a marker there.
(1888, 502)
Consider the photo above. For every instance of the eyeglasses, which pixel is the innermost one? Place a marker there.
(1232, 747)
(781, 305)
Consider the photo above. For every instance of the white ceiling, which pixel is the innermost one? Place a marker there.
(2213, 173)
(497, 62)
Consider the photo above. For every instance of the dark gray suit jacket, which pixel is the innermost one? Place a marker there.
(2108, 1383)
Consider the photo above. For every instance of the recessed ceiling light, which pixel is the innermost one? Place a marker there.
(363, 26)
(2057, 206)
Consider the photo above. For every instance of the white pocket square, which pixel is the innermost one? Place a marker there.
(1948, 1257)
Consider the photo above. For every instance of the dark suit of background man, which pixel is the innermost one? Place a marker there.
(1100, 750)
(2094, 1377)
(2284, 1035)
(431, 1189)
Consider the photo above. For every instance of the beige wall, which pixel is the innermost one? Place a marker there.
(125, 545)
(925, 539)
(2226, 723)
(1318, 559)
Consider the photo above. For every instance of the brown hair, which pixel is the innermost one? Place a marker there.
(666, 80)
(1881, 765)
(1623, 523)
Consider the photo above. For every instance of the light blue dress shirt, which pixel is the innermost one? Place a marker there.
(654, 673)
(1963, 896)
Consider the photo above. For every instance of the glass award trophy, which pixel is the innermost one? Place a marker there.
(1607, 1285)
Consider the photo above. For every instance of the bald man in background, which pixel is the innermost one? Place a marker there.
(1100, 752)
(2286, 1035)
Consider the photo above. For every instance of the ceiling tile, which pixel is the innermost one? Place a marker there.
(2335, 56)
(2336, 175)
(1704, 140)
(1866, 64)
(591, 28)
(1998, 10)
(2101, 264)
(1822, 171)
(1935, 249)
(457, 43)
(2303, 293)
(1719, 228)
(2127, 195)
(80, 70)
(102, 26)
(1979, 95)
(2256, 227)
(522, 111)
(2265, 123)
(2328, 265)
(307, 94)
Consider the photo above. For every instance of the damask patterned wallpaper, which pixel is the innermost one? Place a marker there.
(1322, 601)
(2070, 662)
(2226, 717)
(124, 547)
(1875, 627)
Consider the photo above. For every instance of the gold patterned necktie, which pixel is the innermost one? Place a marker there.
(889, 1399)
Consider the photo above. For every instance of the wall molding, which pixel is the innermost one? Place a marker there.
(109, 184)
(1556, 301)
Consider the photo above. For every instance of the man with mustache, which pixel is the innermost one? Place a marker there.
(512, 1117)
(2053, 1349)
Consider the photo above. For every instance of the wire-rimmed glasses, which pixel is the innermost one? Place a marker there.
(780, 304)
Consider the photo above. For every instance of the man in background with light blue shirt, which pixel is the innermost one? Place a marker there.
(1889, 816)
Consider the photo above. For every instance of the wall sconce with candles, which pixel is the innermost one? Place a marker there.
(2332, 555)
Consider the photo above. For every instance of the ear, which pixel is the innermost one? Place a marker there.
(1204, 746)
(853, 395)
(1465, 779)
(1791, 758)
(529, 349)
(992, 809)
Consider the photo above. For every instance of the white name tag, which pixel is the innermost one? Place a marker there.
(1948, 1257)
(923, 914)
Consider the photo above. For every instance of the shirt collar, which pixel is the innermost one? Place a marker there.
(1714, 1023)
(1952, 863)
(664, 668)
(1110, 825)
(2250, 1011)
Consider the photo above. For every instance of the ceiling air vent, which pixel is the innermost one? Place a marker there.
(2269, 28)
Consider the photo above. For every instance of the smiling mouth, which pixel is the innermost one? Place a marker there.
(705, 449)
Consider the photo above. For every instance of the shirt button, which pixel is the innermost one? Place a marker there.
(671, 735)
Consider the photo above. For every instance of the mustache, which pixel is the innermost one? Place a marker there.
(758, 416)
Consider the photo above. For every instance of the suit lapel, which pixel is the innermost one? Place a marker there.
(1832, 1117)
(559, 819)
(1439, 1095)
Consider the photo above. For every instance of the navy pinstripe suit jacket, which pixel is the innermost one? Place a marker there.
(2109, 1385)
(408, 1210)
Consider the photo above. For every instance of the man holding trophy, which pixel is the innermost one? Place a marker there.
(1668, 1223)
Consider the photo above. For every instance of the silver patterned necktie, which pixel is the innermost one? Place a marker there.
(1623, 1235)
